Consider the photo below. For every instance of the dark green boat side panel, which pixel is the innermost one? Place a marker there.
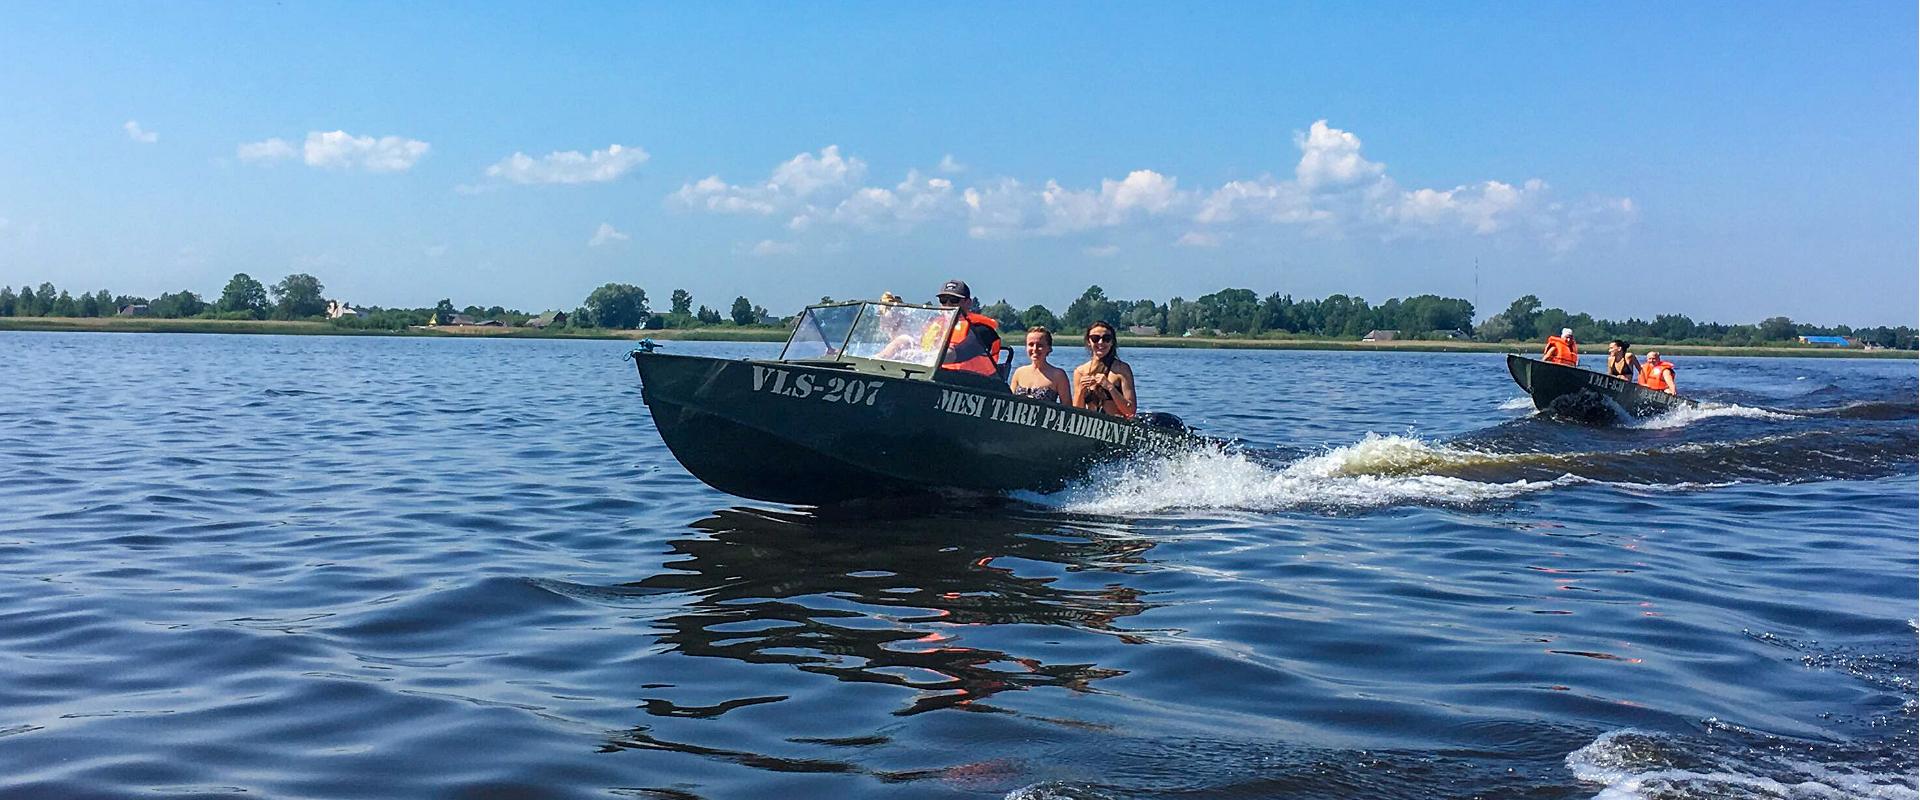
(809, 434)
(1547, 383)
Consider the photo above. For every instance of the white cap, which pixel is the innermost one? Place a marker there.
(1566, 331)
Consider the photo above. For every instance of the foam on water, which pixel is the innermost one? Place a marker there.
(1635, 765)
(1521, 403)
(1687, 415)
(1375, 471)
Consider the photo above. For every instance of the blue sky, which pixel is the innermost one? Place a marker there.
(1726, 161)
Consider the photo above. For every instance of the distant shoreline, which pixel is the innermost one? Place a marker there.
(307, 328)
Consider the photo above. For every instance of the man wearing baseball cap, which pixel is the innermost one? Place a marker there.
(974, 345)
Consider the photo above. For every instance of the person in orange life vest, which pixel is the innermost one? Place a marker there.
(1562, 349)
(1657, 374)
(974, 346)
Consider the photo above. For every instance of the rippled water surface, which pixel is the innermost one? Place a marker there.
(370, 567)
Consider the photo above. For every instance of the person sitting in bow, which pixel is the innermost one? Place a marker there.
(1104, 383)
(974, 345)
(1621, 362)
(1562, 349)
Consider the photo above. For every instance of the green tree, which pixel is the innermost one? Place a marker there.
(682, 302)
(1003, 313)
(29, 304)
(243, 295)
(64, 306)
(1522, 317)
(618, 305)
(299, 295)
(708, 316)
(742, 312)
(104, 300)
(8, 301)
(177, 305)
(89, 306)
(1778, 329)
(582, 317)
(444, 310)
(1092, 306)
(1038, 315)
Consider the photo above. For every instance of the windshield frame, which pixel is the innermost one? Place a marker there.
(866, 308)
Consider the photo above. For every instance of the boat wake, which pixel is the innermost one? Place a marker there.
(1635, 765)
(1373, 472)
(1516, 459)
(1688, 415)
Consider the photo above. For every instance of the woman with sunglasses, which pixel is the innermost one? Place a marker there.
(1104, 383)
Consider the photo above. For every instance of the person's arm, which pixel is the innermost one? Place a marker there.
(1123, 391)
(1061, 386)
(1013, 378)
(1090, 388)
(1673, 386)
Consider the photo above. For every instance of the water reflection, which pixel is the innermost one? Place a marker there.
(891, 601)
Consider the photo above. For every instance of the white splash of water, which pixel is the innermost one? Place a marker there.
(1632, 765)
(1522, 403)
(1687, 415)
(1373, 472)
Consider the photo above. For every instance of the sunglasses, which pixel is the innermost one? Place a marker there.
(1099, 337)
(950, 301)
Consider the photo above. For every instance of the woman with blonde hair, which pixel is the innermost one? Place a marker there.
(1037, 378)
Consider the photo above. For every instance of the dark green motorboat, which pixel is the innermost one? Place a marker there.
(1583, 393)
(857, 406)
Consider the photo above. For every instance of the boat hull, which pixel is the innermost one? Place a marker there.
(1575, 391)
(811, 434)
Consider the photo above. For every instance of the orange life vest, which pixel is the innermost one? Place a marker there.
(1562, 350)
(971, 350)
(1653, 375)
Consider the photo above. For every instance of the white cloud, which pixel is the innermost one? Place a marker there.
(1102, 251)
(606, 234)
(341, 150)
(569, 167)
(789, 188)
(435, 250)
(1334, 191)
(138, 134)
(274, 149)
(769, 247)
(1330, 159)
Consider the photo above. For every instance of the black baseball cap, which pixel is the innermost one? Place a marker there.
(955, 289)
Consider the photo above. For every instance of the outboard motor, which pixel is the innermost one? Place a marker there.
(1161, 419)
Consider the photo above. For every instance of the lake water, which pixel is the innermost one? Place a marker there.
(399, 567)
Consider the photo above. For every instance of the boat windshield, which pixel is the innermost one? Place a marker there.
(821, 332)
(902, 334)
(914, 335)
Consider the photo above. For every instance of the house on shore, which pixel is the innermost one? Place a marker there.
(1827, 341)
(137, 310)
(1143, 330)
(339, 310)
(1455, 334)
(1380, 336)
(550, 319)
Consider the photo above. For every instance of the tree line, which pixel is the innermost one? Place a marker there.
(1241, 312)
(301, 296)
(1228, 312)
